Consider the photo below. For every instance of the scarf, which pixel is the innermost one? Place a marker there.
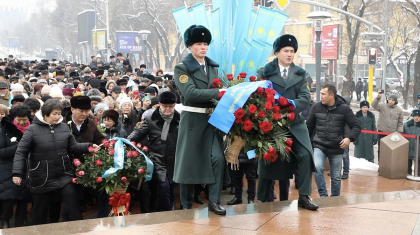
(165, 129)
(21, 128)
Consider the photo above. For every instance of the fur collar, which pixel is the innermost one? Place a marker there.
(272, 68)
(192, 65)
(9, 128)
(411, 123)
(360, 114)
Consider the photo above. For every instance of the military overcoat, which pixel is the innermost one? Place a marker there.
(195, 137)
(294, 88)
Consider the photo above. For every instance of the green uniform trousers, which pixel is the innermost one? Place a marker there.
(218, 163)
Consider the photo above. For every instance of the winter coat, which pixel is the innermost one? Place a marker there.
(89, 133)
(412, 128)
(194, 147)
(390, 118)
(364, 143)
(46, 148)
(117, 131)
(359, 86)
(163, 151)
(366, 86)
(6, 99)
(295, 88)
(352, 85)
(8, 189)
(328, 124)
(128, 121)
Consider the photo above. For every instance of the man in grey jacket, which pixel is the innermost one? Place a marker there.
(390, 116)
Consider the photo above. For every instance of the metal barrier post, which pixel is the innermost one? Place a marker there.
(416, 163)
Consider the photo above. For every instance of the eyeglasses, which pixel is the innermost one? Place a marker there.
(171, 106)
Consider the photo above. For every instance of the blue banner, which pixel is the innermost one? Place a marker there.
(200, 15)
(119, 159)
(253, 58)
(182, 19)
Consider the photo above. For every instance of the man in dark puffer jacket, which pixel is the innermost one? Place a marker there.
(326, 123)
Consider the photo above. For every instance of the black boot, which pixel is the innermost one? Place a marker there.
(5, 224)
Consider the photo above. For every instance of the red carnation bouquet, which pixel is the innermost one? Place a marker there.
(262, 124)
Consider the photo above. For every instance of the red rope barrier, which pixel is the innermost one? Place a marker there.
(387, 133)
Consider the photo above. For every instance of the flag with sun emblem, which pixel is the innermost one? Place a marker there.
(242, 35)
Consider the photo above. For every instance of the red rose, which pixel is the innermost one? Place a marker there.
(261, 114)
(104, 141)
(133, 143)
(230, 77)
(74, 180)
(98, 162)
(76, 162)
(140, 171)
(145, 148)
(270, 91)
(252, 109)
(260, 91)
(247, 125)
(124, 179)
(283, 101)
(288, 149)
(107, 144)
(272, 151)
(217, 81)
(291, 108)
(274, 158)
(130, 154)
(291, 116)
(91, 149)
(289, 142)
(96, 122)
(111, 151)
(268, 105)
(98, 179)
(252, 78)
(135, 154)
(220, 95)
(242, 74)
(113, 142)
(270, 98)
(265, 126)
(276, 116)
(239, 113)
(138, 145)
(237, 121)
(266, 156)
(80, 173)
(276, 109)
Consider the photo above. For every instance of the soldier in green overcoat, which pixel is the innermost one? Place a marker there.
(364, 143)
(289, 80)
(199, 155)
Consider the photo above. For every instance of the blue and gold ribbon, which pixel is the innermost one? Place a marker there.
(119, 159)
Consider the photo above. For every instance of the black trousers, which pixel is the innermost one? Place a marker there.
(358, 95)
(42, 203)
(20, 215)
(162, 195)
(284, 188)
(250, 174)
(103, 206)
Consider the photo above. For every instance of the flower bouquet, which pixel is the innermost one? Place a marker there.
(260, 125)
(112, 168)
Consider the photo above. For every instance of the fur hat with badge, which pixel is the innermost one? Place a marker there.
(80, 102)
(286, 40)
(196, 33)
(94, 95)
(364, 103)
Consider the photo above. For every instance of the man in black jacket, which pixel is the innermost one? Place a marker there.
(162, 129)
(326, 123)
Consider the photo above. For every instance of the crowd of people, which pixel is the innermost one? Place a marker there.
(50, 110)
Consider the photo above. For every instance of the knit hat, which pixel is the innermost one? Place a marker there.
(67, 91)
(94, 95)
(111, 114)
(45, 90)
(100, 106)
(284, 41)
(364, 103)
(56, 92)
(150, 90)
(394, 97)
(125, 100)
(16, 88)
